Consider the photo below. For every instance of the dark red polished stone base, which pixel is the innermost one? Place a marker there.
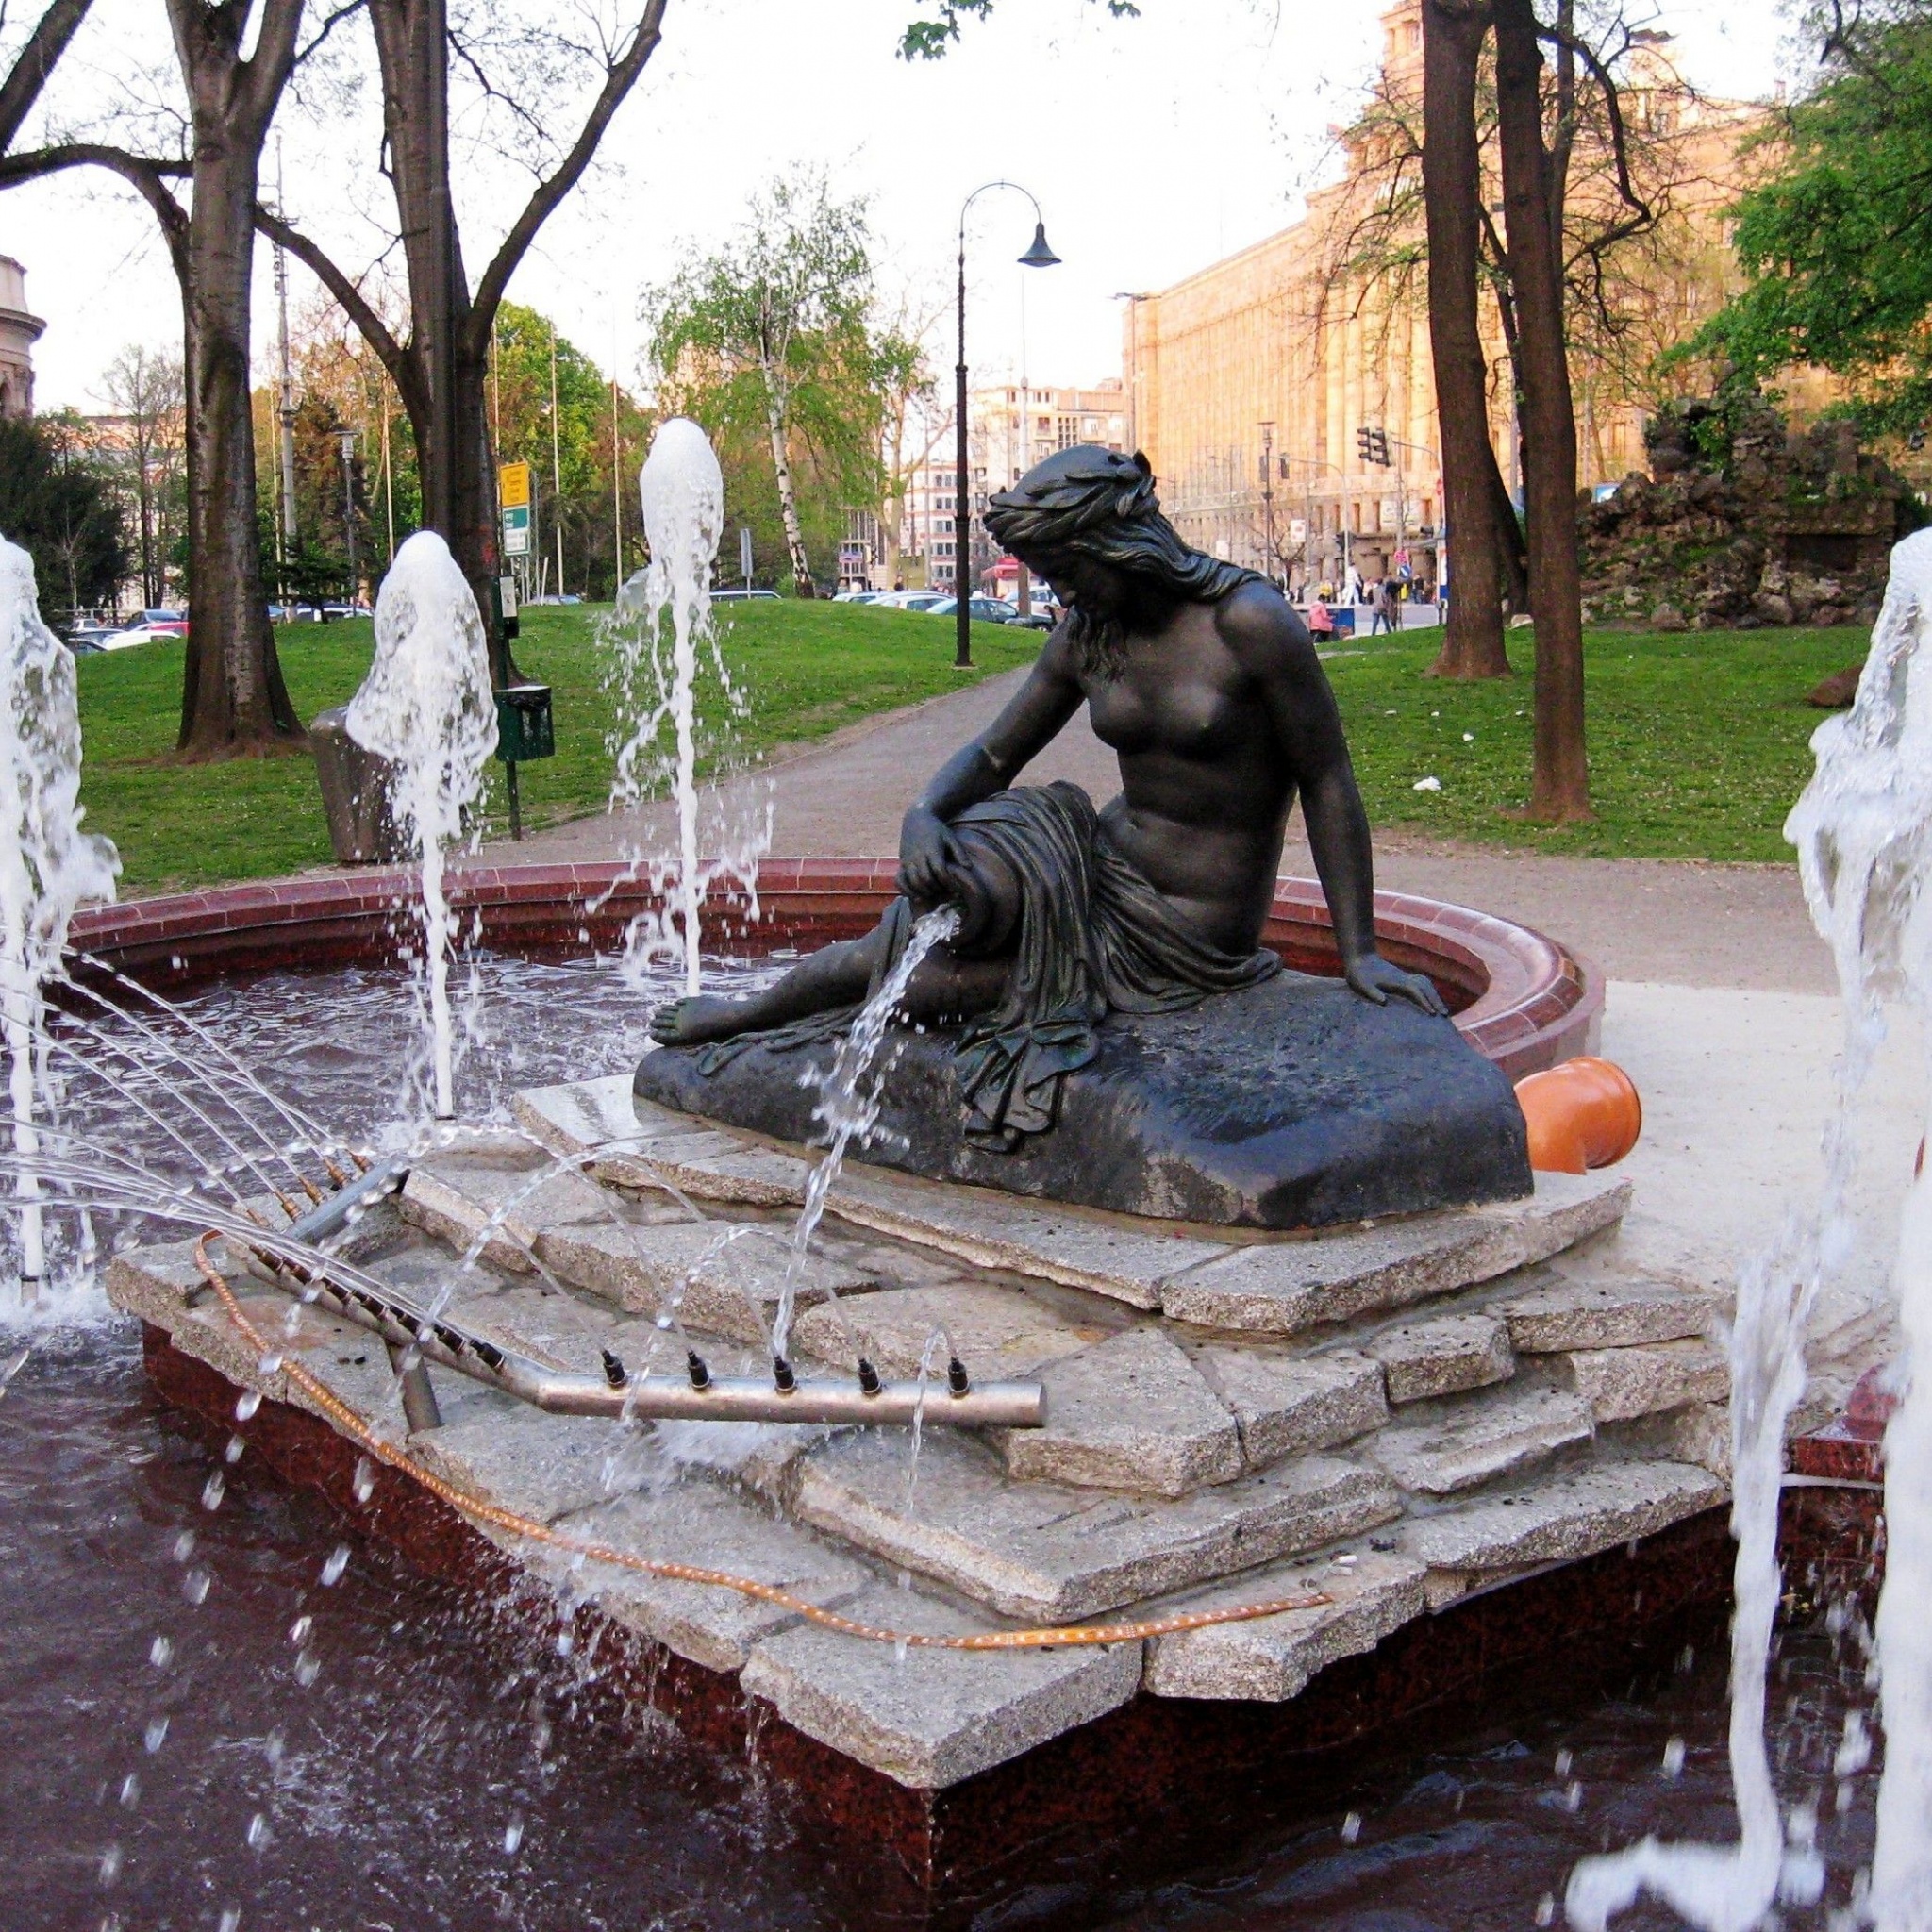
(1139, 1792)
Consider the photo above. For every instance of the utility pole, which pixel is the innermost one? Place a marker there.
(286, 398)
(1268, 495)
(347, 438)
(556, 464)
(616, 489)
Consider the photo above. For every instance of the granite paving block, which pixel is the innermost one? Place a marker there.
(1270, 1659)
(540, 1466)
(932, 1717)
(1572, 1515)
(1038, 1550)
(1619, 1383)
(1129, 1413)
(1478, 1438)
(1281, 1288)
(696, 1520)
(1604, 1314)
(1284, 1403)
(460, 1200)
(1443, 1355)
(1128, 1262)
(997, 1331)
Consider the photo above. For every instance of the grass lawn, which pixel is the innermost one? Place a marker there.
(1698, 740)
(808, 668)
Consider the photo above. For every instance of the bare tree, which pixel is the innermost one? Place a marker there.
(145, 389)
(34, 64)
(440, 369)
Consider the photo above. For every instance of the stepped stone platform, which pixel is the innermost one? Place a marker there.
(1403, 1417)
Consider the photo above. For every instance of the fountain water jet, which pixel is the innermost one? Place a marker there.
(48, 865)
(1864, 831)
(426, 707)
(683, 497)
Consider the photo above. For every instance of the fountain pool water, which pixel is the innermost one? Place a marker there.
(426, 707)
(48, 865)
(683, 497)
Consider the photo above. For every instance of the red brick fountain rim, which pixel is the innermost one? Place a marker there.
(1522, 999)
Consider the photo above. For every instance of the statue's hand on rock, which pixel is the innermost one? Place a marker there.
(1376, 981)
(926, 857)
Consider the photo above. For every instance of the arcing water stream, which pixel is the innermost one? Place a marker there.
(48, 865)
(1863, 830)
(426, 707)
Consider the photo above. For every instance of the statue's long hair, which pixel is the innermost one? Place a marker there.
(1097, 504)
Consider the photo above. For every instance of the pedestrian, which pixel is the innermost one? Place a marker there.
(1387, 613)
(1321, 623)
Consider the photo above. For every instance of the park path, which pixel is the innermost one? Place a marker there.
(1660, 920)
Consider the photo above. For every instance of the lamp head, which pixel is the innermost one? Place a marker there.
(1041, 254)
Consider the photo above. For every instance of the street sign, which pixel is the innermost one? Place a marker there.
(516, 530)
(513, 487)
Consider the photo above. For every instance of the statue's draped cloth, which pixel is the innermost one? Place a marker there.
(1094, 938)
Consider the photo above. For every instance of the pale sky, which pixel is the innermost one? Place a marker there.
(1155, 146)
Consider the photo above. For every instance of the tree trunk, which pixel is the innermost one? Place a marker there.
(1453, 34)
(787, 499)
(233, 699)
(1559, 787)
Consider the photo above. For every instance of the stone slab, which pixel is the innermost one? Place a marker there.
(997, 1331)
(1443, 1355)
(540, 1466)
(1270, 1660)
(1289, 1104)
(1283, 1404)
(1569, 1515)
(1129, 1413)
(1564, 1315)
(932, 1717)
(1039, 1550)
(1619, 1383)
(1281, 1288)
(1480, 1437)
(694, 1520)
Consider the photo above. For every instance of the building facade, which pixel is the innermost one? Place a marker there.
(1286, 395)
(20, 330)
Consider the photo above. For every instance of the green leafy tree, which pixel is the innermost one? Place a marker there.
(1838, 245)
(775, 329)
(59, 504)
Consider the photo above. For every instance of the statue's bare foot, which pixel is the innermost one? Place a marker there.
(695, 1021)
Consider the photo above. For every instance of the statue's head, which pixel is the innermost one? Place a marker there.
(1087, 521)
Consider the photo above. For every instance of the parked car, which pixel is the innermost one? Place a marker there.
(984, 609)
(909, 600)
(742, 596)
(85, 635)
(144, 627)
(333, 611)
(859, 596)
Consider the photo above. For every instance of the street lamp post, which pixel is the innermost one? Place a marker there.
(348, 441)
(1037, 255)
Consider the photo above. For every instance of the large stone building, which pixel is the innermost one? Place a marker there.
(19, 331)
(1250, 383)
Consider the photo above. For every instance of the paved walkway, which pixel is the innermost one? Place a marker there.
(1661, 920)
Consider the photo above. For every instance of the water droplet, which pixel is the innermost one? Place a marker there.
(1673, 1757)
(364, 1483)
(270, 1365)
(232, 1919)
(338, 1562)
(308, 1668)
(110, 1865)
(130, 1791)
(299, 1629)
(195, 1584)
(1563, 1763)
(246, 1404)
(512, 1834)
(1572, 1797)
(276, 1745)
(156, 1735)
(1546, 1909)
(232, 1454)
(1351, 1827)
(257, 1833)
(566, 1642)
(213, 1491)
(160, 1653)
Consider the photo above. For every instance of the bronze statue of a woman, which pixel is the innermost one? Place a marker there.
(1205, 683)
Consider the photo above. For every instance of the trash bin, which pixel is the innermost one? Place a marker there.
(355, 795)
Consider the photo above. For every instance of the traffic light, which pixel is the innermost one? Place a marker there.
(1365, 446)
(1382, 447)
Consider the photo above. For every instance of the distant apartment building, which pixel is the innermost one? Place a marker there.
(19, 331)
(1009, 428)
(1252, 382)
